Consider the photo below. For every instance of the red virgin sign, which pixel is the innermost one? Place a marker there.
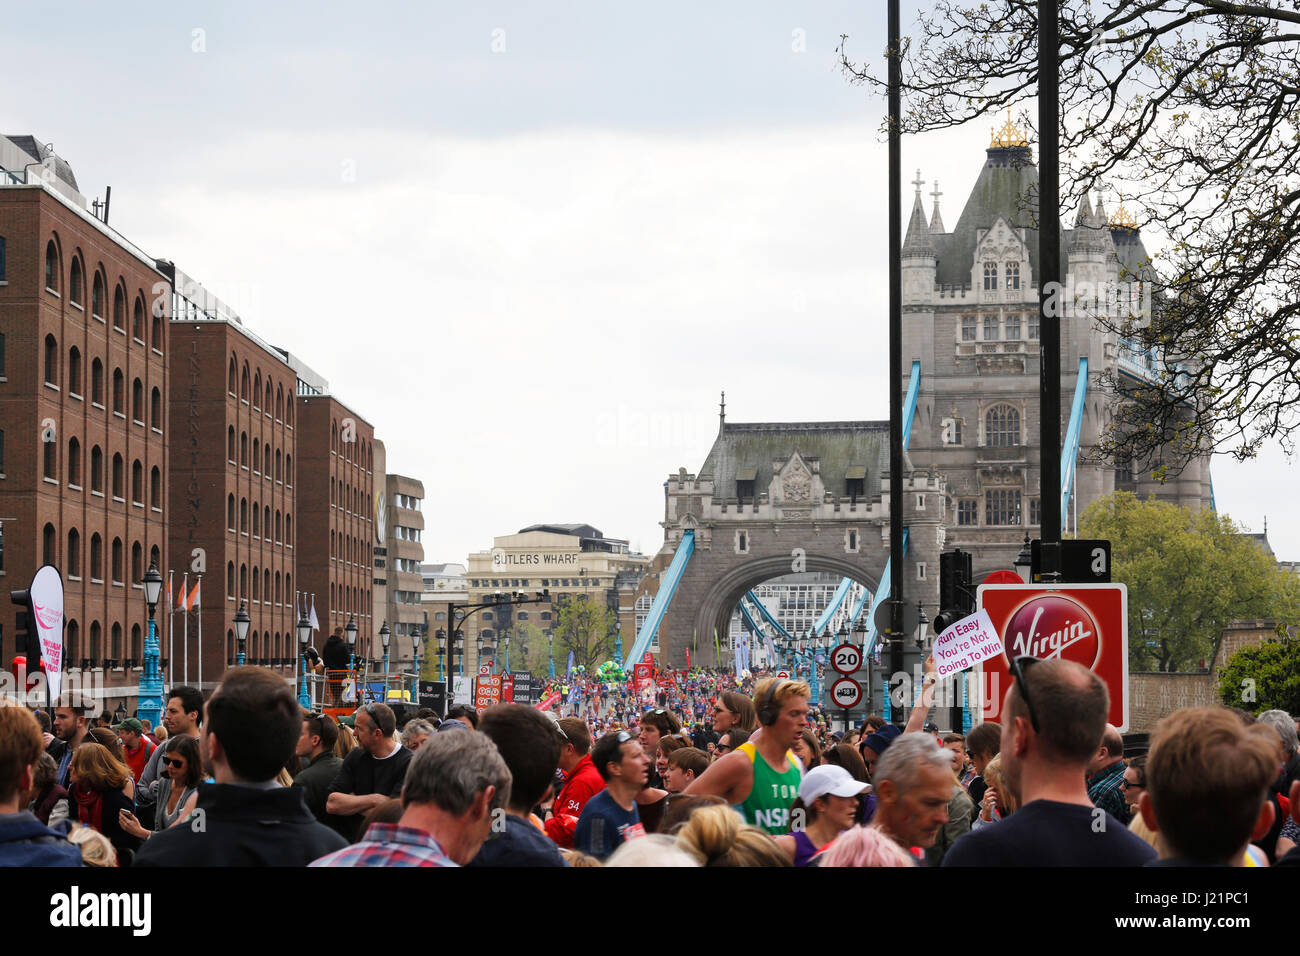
(1084, 623)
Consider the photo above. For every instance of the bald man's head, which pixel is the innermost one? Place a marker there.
(1109, 750)
(1071, 704)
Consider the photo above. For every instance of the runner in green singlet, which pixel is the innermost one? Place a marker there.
(768, 803)
(761, 778)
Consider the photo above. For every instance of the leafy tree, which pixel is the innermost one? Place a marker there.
(529, 649)
(1263, 678)
(1184, 110)
(1189, 573)
(585, 627)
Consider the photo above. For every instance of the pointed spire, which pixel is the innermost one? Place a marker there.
(722, 413)
(1100, 213)
(936, 223)
(1085, 212)
(917, 241)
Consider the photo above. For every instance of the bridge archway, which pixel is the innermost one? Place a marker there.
(719, 602)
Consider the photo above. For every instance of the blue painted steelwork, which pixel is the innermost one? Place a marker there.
(1070, 448)
(749, 618)
(1212, 505)
(909, 403)
(667, 587)
(882, 593)
(767, 615)
(857, 610)
(837, 599)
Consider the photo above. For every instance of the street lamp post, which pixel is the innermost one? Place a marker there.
(351, 632)
(385, 636)
(304, 638)
(505, 643)
(550, 653)
(242, 621)
(150, 700)
(415, 661)
(1024, 561)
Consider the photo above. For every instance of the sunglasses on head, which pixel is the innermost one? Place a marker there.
(1018, 668)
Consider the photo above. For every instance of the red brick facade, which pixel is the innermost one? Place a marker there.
(83, 387)
(336, 532)
(234, 518)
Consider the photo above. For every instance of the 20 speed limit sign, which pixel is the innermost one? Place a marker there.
(846, 693)
(846, 658)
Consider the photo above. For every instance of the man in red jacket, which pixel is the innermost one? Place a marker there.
(582, 782)
(136, 747)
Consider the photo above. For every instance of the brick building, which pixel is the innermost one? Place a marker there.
(336, 533)
(232, 488)
(84, 425)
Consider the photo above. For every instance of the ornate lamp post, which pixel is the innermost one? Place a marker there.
(242, 621)
(304, 638)
(550, 653)
(505, 643)
(150, 699)
(385, 637)
(351, 633)
(1024, 562)
(441, 637)
(415, 660)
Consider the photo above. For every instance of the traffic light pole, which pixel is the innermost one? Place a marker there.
(894, 53)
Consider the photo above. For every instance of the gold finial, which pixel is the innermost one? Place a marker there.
(1009, 135)
(1121, 218)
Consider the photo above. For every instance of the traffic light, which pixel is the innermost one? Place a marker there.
(956, 595)
(22, 620)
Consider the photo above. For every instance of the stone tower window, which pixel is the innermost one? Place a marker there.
(1002, 427)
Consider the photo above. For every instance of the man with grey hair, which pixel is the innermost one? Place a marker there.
(1285, 726)
(913, 782)
(454, 788)
(415, 733)
(1053, 719)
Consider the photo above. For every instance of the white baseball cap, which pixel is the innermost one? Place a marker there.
(829, 779)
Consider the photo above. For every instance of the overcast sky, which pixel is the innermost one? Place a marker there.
(530, 243)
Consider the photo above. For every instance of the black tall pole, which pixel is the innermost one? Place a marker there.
(895, 344)
(1049, 267)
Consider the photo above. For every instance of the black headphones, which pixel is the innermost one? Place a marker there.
(770, 709)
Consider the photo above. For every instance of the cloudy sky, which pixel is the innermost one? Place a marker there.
(531, 243)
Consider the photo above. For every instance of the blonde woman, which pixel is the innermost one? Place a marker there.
(97, 793)
(719, 836)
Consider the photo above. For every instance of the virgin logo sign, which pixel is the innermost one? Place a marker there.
(1054, 626)
(1083, 623)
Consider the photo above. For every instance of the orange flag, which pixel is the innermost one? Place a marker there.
(192, 601)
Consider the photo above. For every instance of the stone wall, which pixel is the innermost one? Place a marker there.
(1152, 696)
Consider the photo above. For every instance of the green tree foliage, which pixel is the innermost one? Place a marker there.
(585, 627)
(1189, 573)
(1184, 111)
(1263, 678)
(529, 650)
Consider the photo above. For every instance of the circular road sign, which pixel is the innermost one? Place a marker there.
(846, 658)
(911, 617)
(846, 693)
(1003, 577)
(783, 675)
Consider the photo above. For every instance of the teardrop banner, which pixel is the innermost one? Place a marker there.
(46, 596)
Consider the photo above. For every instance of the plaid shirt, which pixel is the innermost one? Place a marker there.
(387, 844)
(1104, 791)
